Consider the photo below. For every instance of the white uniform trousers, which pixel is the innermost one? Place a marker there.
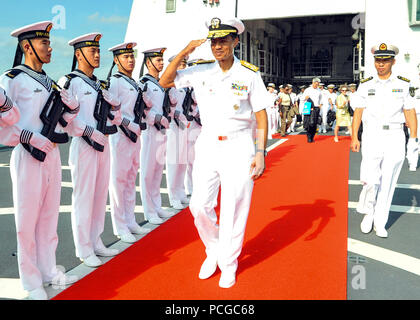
(324, 113)
(226, 164)
(152, 162)
(176, 161)
(36, 199)
(90, 176)
(193, 132)
(382, 158)
(125, 163)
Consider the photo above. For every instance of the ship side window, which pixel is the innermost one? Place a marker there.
(170, 6)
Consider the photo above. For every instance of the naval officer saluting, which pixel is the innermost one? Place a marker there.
(229, 92)
(384, 103)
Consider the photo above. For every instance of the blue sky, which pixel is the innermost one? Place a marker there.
(74, 18)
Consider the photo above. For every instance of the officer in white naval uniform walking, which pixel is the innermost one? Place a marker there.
(384, 103)
(36, 180)
(229, 92)
(89, 157)
(153, 139)
(125, 145)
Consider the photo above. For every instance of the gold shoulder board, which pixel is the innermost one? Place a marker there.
(204, 61)
(366, 80)
(249, 66)
(403, 79)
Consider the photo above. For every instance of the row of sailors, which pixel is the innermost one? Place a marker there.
(98, 164)
(328, 99)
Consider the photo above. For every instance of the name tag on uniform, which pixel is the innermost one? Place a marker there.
(371, 92)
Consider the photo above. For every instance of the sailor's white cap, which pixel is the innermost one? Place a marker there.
(126, 47)
(86, 40)
(35, 30)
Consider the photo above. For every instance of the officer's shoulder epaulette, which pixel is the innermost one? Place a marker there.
(204, 61)
(12, 73)
(249, 66)
(403, 79)
(366, 80)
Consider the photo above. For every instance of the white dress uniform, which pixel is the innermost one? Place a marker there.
(125, 159)
(223, 153)
(36, 184)
(153, 151)
(193, 131)
(125, 153)
(90, 169)
(176, 150)
(383, 142)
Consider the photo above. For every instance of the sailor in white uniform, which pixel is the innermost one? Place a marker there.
(36, 180)
(125, 145)
(89, 157)
(153, 139)
(272, 111)
(176, 147)
(229, 92)
(384, 103)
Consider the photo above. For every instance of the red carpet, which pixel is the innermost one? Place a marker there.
(295, 245)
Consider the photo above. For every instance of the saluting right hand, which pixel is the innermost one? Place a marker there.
(193, 45)
(40, 142)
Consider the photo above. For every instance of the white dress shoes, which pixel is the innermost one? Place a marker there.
(128, 238)
(136, 229)
(38, 294)
(106, 252)
(165, 214)
(61, 279)
(227, 279)
(92, 261)
(381, 232)
(367, 223)
(155, 220)
(208, 267)
(176, 204)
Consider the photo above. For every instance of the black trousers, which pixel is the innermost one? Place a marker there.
(310, 123)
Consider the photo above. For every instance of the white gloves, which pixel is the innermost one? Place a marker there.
(134, 127)
(69, 100)
(113, 101)
(147, 98)
(163, 121)
(98, 137)
(40, 142)
(181, 119)
(117, 118)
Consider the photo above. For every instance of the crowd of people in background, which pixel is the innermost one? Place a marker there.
(286, 110)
